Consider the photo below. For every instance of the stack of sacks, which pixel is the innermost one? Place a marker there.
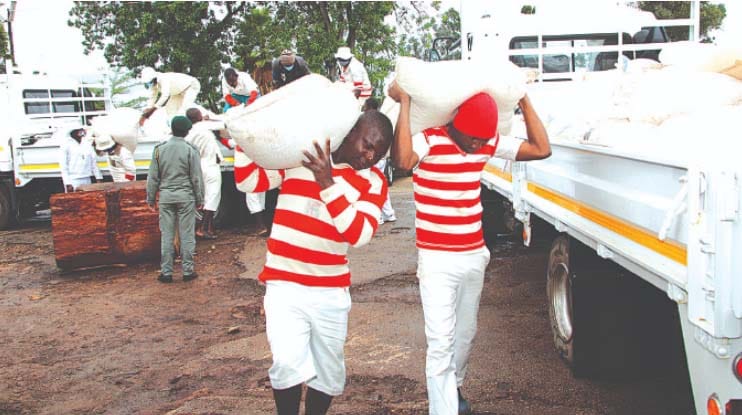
(121, 124)
(641, 105)
(438, 88)
(276, 129)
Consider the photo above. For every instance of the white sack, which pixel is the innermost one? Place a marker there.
(438, 88)
(122, 124)
(275, 129)
(694, 56)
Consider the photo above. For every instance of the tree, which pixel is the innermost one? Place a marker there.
(121, 83)
(422, 26)
(315, 30)
(712, 16)
(170, 36)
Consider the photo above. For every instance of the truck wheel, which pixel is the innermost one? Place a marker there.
(605, 321)
(559, 278)
(5, 207)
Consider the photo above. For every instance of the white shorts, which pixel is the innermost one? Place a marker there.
(212, 174)
(306, 328)
(255, 202)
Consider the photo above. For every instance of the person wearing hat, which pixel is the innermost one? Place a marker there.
(78, 161)
(352, 73)
(174, 91)
(238, 88)
(120, 160)
(452, 256)
(288, 68)
(175, 173)
(325, 206)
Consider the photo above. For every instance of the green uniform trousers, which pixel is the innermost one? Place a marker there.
(182, 214)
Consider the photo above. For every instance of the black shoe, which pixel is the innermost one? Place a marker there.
(190, 277)
(167, 279)
(464, 407)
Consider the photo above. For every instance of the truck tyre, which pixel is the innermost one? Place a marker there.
(5, 207)
(389, 171)
(606, 322)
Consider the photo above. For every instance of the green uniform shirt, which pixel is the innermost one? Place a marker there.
(175, 171)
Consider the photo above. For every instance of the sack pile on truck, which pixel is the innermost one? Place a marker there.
(640, 105)
(121, 124)
(437, 89)
(276, 129)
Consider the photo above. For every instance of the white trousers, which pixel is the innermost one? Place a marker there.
(212, 175)
(77, 182)
(306, 328)
(450, 289)
(255, 202)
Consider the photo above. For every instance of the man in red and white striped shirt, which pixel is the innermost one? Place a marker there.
(452, 256)
(332, 202)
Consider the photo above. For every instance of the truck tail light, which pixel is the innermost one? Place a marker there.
(713, 406)
(737, 367)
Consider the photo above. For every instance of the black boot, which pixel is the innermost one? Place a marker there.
(260, 224)
(317, 402)
(287, 400)
(464, 407)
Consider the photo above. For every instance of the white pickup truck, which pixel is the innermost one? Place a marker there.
(35, 107)
(644, 242)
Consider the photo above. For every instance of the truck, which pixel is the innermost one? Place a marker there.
(38, 107)
(644, 243)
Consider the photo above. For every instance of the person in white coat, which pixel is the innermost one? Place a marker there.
(352, 72)
(238, 88)
(176, 92)
(211, 157)
(78, 161)
(120, 160)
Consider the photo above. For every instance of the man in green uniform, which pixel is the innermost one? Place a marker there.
(175, 171)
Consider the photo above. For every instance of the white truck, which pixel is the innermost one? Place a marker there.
(35, 107)
(646, 243)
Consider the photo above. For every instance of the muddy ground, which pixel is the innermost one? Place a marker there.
(115, 341)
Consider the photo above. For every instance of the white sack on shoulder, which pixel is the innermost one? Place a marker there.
(122, 124)
(438, 88)
(275, 129)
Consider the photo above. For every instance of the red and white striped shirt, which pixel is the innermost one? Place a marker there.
(447, 189)
(312, 228)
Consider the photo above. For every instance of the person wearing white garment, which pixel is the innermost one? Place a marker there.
(387, 211)
(78, 161)
(211, 157)
(238, 88)
(352, 72)
(176, 92)
(255, 201)
(120, 160)
(452, 256)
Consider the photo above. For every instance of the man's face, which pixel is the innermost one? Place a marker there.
(232, 80)
(361, 149)
(466, 143)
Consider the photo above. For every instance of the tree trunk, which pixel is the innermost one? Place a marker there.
(103, 224)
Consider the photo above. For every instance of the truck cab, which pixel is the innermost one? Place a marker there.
(36, 106)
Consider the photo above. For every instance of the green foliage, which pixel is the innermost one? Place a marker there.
(121, 82)
(199, 38)
(712, 16)
(528, 9)
(170, 36)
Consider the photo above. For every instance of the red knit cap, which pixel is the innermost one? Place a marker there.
(477, 117)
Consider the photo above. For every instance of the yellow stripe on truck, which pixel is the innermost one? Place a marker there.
(497, 172)
(101, 164)
(670, 249)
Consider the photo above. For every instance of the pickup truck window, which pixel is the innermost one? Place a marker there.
(565, 63)
(44, 101)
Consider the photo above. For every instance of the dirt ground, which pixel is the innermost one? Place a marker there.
(115, 341)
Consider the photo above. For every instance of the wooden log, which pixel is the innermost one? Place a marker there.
(102, 224)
